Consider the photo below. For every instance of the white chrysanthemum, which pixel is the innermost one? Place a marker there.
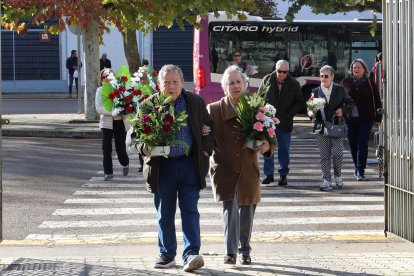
(126, 94)
(272, 109)
(111, 76)
(116, 111)
(153, 85)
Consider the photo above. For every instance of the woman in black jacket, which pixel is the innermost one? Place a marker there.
(337, 103)
(364, 115)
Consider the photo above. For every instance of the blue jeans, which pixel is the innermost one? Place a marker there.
(358, 137)
(71, 78)
(283, 149)
(178, 177)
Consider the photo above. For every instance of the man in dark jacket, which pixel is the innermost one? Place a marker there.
(284, 93)
(104, 62)
(72, 66)
(180, 174)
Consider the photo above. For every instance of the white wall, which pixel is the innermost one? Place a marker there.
(112, 45)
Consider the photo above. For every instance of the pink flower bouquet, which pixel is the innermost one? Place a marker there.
(256, 119)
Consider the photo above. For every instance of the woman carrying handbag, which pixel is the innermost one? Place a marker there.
(337, 104)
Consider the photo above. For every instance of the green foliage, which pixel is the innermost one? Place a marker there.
(265, 8)
(140, 15)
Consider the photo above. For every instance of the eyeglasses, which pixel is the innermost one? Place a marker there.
(282, 72)
(237, 55)
(104, 77)
(324, 76)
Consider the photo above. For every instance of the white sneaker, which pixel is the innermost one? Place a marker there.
(338, 181)
(325, 186)
(193, 262)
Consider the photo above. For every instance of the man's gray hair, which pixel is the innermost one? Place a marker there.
(280, 63)
(364, 65)
(230, 70)
(327, 68)
(170, 68)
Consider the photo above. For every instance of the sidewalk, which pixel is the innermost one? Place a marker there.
(51, 125)
(394, 257)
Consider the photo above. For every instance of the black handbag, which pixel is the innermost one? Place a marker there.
(333, 129)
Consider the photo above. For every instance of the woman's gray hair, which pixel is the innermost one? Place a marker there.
(280, 63)
(230, 70)
(364, 65)
(327, 68)
(170, 68)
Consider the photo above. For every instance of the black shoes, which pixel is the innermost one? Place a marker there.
(268, 179)
(229, 259)
(245, 260)
(283, 180)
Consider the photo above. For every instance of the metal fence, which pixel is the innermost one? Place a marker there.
(398, 39)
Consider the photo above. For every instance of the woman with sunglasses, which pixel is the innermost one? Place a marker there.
(237, 60)
(111, 127)
(337, 103)
(364, 115)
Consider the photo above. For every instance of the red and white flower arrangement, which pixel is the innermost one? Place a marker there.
(124, 96)
(157, 124)
(314, 104)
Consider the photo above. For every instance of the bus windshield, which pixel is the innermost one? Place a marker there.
(307, 46)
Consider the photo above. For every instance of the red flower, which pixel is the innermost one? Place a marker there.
(124, 78)
(122, 88)
(157, 88)
(116, 92)
(128, 109)
(166, 128)
(146, 118)
(147, 129)
(155, 73)
(144, 97)
(127, 100)
(169, 118)
(139, 92)
(112, 96)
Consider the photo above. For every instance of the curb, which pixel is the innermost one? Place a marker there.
(51, 133)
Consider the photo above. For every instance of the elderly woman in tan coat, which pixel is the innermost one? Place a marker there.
(234, 169)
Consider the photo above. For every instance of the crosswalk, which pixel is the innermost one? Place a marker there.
(123, 209)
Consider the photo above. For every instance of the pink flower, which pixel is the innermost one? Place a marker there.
(146, 118)
(264, 109)
(258, 126)
(271, 132)
(260, 116)
(276, 120)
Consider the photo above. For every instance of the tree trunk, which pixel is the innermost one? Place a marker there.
(131, 50)
(91, 50)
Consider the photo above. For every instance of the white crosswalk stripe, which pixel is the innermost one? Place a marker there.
(123, 209)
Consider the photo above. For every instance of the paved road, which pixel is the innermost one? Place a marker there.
(88, 208)
(39, 106)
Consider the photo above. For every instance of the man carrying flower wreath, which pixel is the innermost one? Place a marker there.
(180, 175)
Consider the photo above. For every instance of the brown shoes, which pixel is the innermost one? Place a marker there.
(245, 260)
(230, 259)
